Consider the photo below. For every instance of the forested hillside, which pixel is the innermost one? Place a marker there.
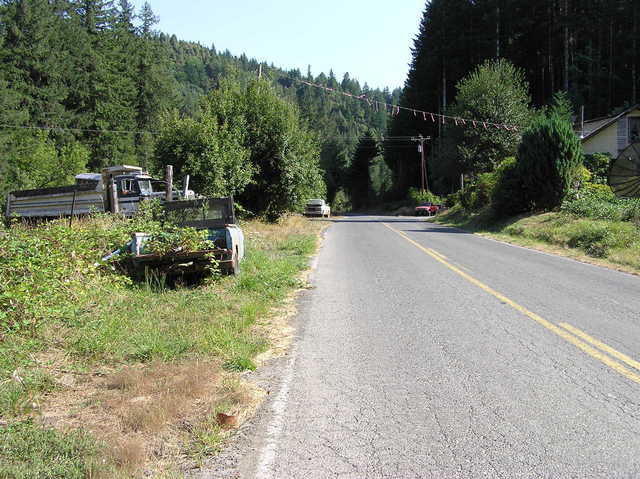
(85, 83)
(587, 48)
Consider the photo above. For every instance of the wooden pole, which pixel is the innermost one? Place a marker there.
(423, 163)
(169, 180)
(73, 207)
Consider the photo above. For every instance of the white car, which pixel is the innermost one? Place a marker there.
(317, 207)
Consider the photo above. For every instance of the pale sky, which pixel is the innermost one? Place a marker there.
(370, 39)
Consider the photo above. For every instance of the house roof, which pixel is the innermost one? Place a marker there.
(595, 126)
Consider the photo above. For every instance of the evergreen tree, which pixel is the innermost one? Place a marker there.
(548, 160)
(360, 179)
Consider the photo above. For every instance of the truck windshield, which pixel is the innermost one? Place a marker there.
(145, 187)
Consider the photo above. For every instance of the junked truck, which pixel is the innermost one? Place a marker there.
(216, 216)
(118, 189)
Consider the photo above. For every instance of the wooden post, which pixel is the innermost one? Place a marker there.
(186, 185)
(169, 180)
(113, 197)
(73, 207)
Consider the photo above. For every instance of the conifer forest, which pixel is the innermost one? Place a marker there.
(90, 83)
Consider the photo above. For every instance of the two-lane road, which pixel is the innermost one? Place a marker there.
(423, 351)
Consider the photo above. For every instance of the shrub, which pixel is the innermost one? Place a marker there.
(417, 196)
(507, 197)
(341, 203)
(597, 239)
(477, 195)
(598, 165)
(549, 157)
(599, 202)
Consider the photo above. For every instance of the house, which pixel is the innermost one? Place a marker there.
(611, 134)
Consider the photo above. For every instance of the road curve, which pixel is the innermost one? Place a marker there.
(424, 351)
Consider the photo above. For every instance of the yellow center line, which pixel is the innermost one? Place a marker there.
(599, 344)
(616, 366)
(436, 253)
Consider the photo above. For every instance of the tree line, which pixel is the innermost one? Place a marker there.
(585, 48)
(90, 83)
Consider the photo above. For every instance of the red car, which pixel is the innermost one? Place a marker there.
(427, 209)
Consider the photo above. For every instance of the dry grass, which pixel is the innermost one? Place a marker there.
(147, 415)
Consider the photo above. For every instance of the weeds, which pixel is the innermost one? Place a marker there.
(29, 451)
(159, 352)
(617, 242)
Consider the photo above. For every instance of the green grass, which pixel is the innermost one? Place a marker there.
(28, 451)
(113, 322)
(616, 243)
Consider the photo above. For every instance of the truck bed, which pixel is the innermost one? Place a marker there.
(54, 202)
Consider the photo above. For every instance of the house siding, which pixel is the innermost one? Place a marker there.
(605, 141)
(612, 139)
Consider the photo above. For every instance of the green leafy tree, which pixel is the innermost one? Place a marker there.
(212, 153)
(282, 149)
(35, 162)
(495, 92)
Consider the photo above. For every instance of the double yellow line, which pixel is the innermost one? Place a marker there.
(564, 330)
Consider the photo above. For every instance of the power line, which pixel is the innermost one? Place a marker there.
(426, 115)
(82, 130)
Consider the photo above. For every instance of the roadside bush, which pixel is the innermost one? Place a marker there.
(477, 195)
(417, 196)
(599, 202)
(48, 271)
(597, 239)
(508, 197)
(341, 203)
(598, 164)
(549, 157)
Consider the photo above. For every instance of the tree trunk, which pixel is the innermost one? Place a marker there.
(565, 20)
(610, 87)
(498, 29)
(634, 55)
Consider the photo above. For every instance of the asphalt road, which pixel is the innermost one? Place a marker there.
(424, 351)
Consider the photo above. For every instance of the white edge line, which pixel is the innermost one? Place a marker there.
(279, 404)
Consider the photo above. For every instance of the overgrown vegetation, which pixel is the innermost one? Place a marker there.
(71, 328)
(549, 176)
(86, 84)
(584, 48)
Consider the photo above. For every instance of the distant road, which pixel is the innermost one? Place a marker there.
(424, 351)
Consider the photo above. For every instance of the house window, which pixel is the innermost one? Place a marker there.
(634, 129)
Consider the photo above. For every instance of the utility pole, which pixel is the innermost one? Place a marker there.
(423, 164)
(260, 72)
